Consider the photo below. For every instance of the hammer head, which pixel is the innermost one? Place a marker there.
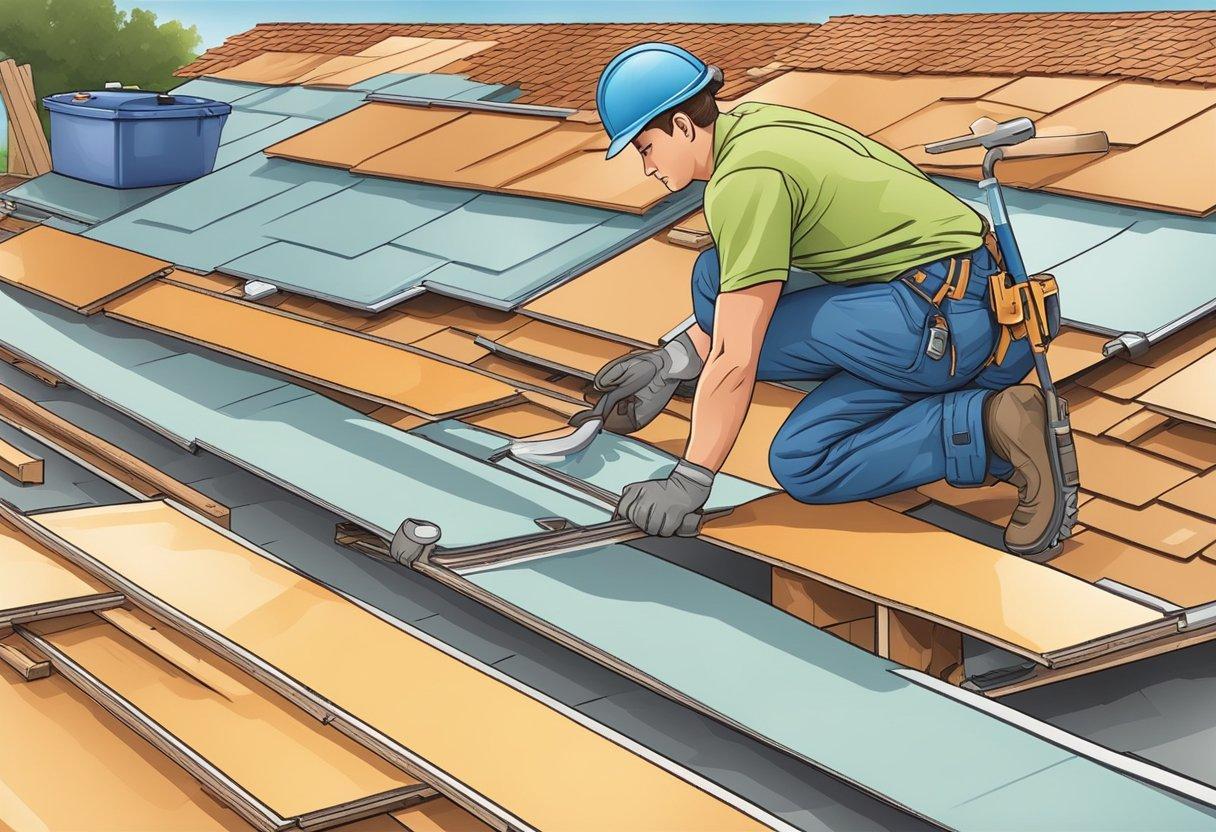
(988, 134)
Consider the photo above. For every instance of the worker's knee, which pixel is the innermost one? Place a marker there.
(802, 472)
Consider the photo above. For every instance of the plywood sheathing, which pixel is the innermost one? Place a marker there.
(317, 353)
(36, 582)
(364, 132)
(511, 153)
(272, 68)
(557, 346)
(286, 760)
(1152, 473)
(56, 742)
(72, 270)
(439, 815)
(907, 564)
(510, 740)
(654, 269)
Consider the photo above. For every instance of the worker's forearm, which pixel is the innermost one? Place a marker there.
(722, 399)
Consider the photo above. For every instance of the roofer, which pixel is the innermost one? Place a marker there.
(901, 332)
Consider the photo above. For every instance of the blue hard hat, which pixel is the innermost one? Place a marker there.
(643, 81)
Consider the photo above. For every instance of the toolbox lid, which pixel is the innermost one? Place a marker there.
(134, 104)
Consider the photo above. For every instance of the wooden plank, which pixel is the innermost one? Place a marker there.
(509, 740)
(74, 271)
(16, 464)
(36, 582)
(17, 165)
(901, 562)
(27, 76)
(66, 763)
(439, 815)
(22, 411)
(42, 374)
(23, 113)
(24, 659)
(391, 375)
(882, 640)
(925, 645)
(262, 754)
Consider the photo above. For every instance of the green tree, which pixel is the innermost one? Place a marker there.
(82, 44)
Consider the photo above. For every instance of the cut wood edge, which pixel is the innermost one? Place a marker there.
(27, 413)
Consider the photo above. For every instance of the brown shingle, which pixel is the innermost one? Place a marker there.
(534, 56)
(1126, 44)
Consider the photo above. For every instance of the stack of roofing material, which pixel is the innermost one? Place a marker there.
(509, 152)
(36, 583)
(233, 599)
(366, 471)
(68, 764)
(372, 369)
(269, 761)
(814, 696)
(372, 243)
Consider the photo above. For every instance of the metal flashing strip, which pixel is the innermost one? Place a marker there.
(527, 358)
(330, 713)
(1139, 596)
(1131, 766)
(490, 105)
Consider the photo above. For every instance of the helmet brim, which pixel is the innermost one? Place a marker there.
(623, 138)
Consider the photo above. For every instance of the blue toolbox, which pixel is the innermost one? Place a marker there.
(134, 138)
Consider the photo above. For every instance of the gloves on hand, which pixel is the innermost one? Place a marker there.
(638, 386)
(669, 506)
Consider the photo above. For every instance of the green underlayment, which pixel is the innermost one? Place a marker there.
(827, 700)
(362, 469)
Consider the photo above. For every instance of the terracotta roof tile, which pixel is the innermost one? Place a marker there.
(1129, 44)
(532, 55)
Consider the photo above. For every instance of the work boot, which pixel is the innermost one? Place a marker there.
(1015, 422)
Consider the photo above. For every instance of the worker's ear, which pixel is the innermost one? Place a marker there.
(683, 125)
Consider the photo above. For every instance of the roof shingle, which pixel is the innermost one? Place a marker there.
(556, 64)
(1174, 46)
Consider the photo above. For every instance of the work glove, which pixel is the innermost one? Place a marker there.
(638, 386)
(668, 506)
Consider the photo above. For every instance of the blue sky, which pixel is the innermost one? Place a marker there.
(216, 19)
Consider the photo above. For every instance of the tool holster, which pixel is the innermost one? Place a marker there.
(1028, 310)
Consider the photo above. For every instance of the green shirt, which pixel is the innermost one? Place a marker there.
(791, 188)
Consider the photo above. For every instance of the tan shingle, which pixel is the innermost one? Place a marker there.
(535, 56)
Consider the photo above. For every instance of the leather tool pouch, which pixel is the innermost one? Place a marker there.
(1029, 310)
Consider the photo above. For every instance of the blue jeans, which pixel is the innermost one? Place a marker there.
(887, 416)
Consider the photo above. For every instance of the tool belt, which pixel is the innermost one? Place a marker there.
(1030, 310)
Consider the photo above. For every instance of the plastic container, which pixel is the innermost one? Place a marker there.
(134, 138)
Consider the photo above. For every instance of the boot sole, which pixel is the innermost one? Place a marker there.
(1065, 476)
